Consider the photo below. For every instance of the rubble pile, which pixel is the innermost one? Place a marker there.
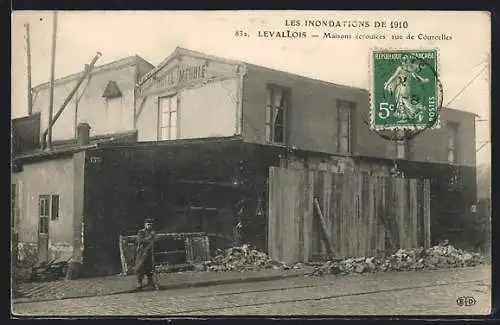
(436, 257)
(241, 259)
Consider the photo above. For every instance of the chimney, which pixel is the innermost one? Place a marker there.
(83, 133)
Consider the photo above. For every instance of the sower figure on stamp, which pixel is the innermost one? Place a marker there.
(399, 83)
(144, 253)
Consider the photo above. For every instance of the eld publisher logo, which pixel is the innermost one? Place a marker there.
(466, 301)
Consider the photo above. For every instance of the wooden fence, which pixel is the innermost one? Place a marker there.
(314, 213)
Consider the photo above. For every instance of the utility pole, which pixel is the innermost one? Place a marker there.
(28, 55)
(52, 72)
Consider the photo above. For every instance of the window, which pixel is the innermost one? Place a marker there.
(344, 126)
(402, 149)
(277, 100)
(452, 129)
(168, 118)
(111, 91)
(49, 208)
(54, 207)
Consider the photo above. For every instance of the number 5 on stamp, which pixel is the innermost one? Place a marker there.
(404, 90)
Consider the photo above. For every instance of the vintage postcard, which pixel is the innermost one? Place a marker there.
(270, 163)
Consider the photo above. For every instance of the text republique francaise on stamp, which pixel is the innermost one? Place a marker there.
(404, 91)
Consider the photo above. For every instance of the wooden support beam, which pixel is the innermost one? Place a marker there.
(122, 256)
(427, 214)
(326, 235)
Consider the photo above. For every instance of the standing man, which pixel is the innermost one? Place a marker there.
(144, 253)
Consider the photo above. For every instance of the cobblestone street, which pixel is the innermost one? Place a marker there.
(402, 293)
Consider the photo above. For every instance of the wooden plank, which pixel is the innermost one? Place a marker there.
(347, 215)
(298, 213)
(326, 235)
(362, 215)
(352, 214)
(357, 214)
(389, 215)
(378, 209)
(333, 216)
(372, 234)
(122, 255)
(427, 214)
(271, 237)
(289, 207)
(339, 178)
(279, 213)
(308, 215)
(413, 212)
(327, 207)
(406, 215)
(399, 203)
(383, 211)
(420, 215)
(273, 213)
(374, 196)
(318, 186)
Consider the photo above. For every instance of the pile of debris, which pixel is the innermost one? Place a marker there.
(49, 271)
(436, 257)
(242, 259)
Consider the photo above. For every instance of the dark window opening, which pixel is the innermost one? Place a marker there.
(452, 130)
(277, 102)
(112, 91)
(54, 209)
(344, 109)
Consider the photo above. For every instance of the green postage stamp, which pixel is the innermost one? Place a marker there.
(405, 90)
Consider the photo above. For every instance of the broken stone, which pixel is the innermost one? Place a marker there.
(360, 268)
(439, 256)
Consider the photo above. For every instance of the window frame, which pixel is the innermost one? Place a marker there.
(344, 106)
(270, 124)
(452, 133)
(49, 210)
(170, 126)
(405, 145)
(56, 217)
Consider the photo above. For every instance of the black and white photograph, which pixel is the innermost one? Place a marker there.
(250, 163)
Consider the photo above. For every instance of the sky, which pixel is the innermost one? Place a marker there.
(154, 35)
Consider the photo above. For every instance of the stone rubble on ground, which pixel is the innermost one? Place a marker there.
(243, 258)
(436, 257)
(246, 258)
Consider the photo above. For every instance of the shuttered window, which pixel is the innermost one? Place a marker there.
(277, 103)
(168, 118)
(344, 109)
(452, 130)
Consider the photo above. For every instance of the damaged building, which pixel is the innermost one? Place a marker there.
(190, 143)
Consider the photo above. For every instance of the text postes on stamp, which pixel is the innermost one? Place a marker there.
(405, 91)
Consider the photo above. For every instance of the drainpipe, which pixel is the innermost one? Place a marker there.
(239, 114)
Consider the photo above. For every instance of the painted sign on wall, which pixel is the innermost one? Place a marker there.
(177, 75)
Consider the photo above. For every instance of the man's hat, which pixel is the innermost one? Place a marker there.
(148, 220)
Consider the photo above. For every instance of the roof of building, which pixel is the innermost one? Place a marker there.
(184, 51)
(130, 60)
(63, 147)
